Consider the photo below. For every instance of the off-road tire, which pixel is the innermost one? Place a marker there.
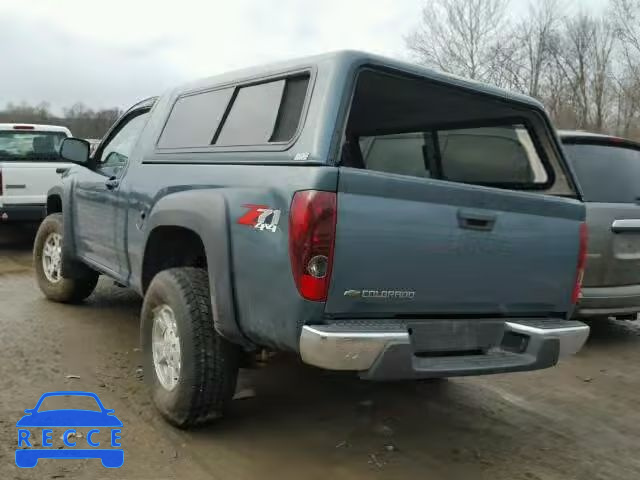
(66, 290)
(209, 363)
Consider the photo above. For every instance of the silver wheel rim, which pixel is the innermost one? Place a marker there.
(166, 347)
(52, 257)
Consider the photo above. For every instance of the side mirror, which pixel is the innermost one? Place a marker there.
(75, 150)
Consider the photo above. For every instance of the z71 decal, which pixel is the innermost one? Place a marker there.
(260, 217)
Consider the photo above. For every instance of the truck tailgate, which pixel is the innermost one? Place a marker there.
(29, 182)
(409, 246)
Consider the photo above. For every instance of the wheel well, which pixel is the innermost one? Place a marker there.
(170, 247)
(54, 204)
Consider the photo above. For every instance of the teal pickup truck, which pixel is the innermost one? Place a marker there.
(367, 214)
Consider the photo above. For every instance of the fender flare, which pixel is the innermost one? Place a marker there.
(71, 266)
(205, 212)
(56, 191)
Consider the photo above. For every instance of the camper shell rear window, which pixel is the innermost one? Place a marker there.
(407, 125)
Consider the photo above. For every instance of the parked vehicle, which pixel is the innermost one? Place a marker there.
(29, 167)
(608, 170)
(281, 208)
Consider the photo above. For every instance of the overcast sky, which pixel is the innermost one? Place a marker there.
(113, 53)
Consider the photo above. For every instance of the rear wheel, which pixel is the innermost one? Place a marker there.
(191, 371)
(47, 260)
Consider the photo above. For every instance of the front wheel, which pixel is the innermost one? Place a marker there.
(47, 260)
(190, 369)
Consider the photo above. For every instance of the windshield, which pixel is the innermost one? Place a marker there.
(606, 173)
(30, 145)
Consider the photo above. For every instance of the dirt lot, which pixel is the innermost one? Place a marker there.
(580, 420)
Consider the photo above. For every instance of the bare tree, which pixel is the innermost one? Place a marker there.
(572, 56)
(584, 68)
(627, 20)
(538, 36)
(459, 36)
(604, 42)
(554, 95)
(522, 58)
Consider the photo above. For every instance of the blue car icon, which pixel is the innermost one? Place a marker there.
(105, 418)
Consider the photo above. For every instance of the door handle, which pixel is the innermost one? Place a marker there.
(112, 183)
(61, 170)
(626, 225)
(474, 220)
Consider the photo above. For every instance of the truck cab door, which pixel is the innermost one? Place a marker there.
(99, 232)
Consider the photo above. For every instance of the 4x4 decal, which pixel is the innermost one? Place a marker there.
(260, 217)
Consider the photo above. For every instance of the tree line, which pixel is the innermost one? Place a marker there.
(83, 122)
(584, 67)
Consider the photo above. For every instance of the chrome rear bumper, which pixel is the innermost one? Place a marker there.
(570, 338)
(388, 353)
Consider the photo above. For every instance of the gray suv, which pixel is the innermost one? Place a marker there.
(608, 171)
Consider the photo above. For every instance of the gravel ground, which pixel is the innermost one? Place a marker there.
(579, 420)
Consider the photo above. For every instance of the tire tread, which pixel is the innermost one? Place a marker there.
(68, 290)
(216, 360)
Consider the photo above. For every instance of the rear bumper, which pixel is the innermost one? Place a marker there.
(608, 301)
(22, 213)
(388, 354)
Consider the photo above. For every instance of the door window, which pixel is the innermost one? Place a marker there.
(115, 154)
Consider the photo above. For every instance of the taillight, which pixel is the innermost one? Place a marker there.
(24, 127)
(582, 261)
(312, 229)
